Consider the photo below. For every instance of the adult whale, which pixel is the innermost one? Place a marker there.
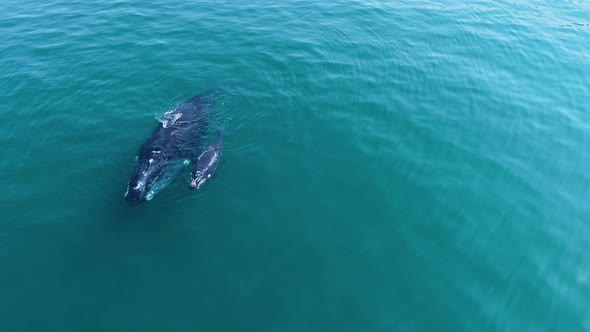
(177, 138)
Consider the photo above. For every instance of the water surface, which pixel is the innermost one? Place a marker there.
(402, 166)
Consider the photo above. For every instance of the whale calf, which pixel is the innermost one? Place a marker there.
(177, 138)
(206, 163)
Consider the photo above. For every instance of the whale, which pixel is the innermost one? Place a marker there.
(206, 164)
(176, 139)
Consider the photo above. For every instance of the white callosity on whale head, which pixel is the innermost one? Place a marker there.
(138, 185)
(201, 182)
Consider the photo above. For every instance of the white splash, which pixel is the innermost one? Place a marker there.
(170, 118)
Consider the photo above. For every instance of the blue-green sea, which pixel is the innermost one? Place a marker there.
(390, 166)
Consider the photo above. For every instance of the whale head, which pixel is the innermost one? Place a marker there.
(198, 178)
(141, 186)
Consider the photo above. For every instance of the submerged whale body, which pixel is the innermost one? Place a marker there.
(204, 167)
(176, 138)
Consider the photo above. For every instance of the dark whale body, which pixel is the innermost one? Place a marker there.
(177, 138)
(206, 164)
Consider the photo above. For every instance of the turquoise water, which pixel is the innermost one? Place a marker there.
(401, 166)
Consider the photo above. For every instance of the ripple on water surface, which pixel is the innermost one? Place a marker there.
(400, 165)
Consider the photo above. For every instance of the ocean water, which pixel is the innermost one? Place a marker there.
(400, 166)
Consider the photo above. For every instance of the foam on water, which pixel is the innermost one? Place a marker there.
(169, 118)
